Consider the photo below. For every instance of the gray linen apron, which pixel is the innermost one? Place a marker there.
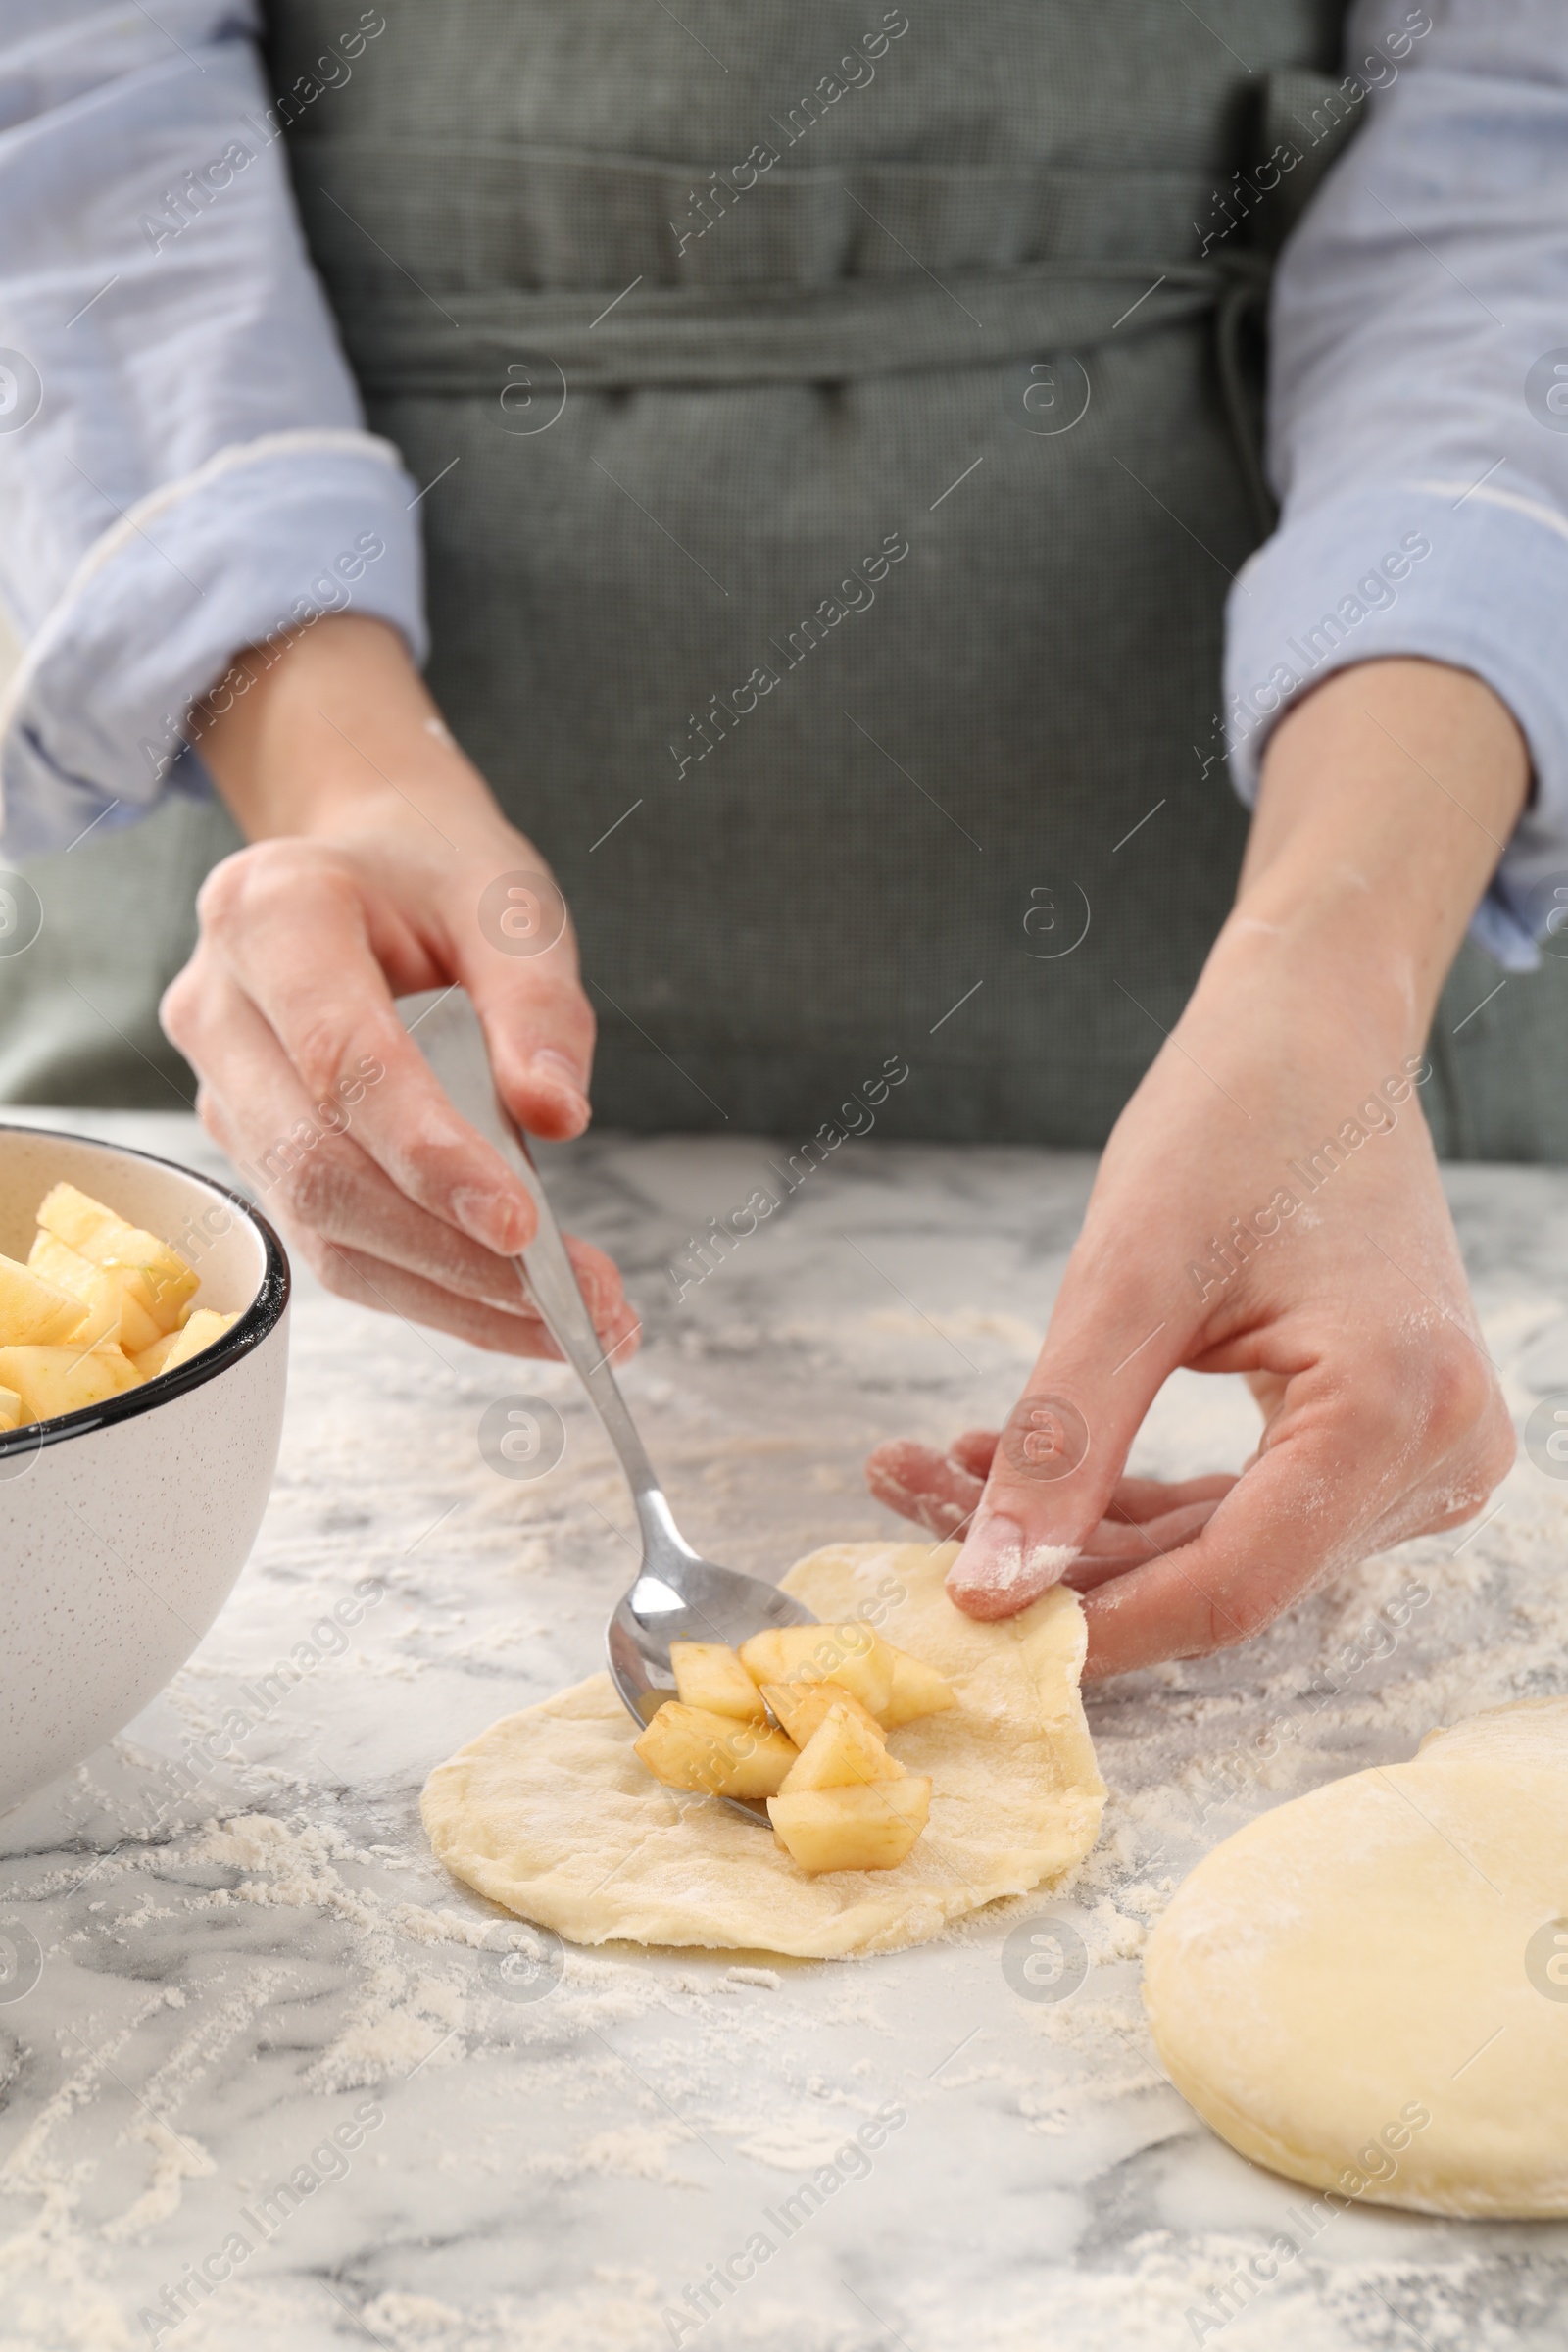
(839, 447)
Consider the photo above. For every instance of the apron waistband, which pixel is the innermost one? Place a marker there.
(457, 344)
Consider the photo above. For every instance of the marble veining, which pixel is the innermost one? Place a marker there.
(269, 2076)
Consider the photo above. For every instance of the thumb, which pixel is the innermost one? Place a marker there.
(1064, 1448)
(516, 955)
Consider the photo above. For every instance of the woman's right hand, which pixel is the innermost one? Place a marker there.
(379, 866)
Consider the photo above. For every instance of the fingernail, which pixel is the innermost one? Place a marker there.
(497, 1221)
(557, 1070)
(999, 1571)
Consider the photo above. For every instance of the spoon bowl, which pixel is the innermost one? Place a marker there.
(685, 1598)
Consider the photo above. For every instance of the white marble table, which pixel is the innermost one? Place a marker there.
(232, 1976)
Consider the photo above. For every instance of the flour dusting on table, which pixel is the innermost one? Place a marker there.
(253, 1955)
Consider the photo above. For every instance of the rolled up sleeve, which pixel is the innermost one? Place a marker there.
(1418, 419)
(183, 466)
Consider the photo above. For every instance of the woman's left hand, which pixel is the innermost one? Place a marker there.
(1269, 1203)
(1343, 1301)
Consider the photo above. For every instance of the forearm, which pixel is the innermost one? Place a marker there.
(1387, 799)
(333, 734)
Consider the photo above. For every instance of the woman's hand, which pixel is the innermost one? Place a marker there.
(379, 866)
(1269, 1203)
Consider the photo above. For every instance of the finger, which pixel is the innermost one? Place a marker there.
(295, 935)
(325, 1184)
(976, 1451)
(1113, 1548)
(1143, 1499)
(922, 1485)
(336, 1194)
(939, 1491)
(367, 1281)
(538, 1024)
(1058, 1461)
(487, 1304)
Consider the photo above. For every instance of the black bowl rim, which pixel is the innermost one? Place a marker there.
(259, 1318)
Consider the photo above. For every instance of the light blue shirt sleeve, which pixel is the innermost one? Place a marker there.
(1418, 411)
(184, 468)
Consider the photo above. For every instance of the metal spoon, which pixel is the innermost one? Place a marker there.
(676, 1594)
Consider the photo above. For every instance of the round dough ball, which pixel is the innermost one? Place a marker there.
(1367, 1989)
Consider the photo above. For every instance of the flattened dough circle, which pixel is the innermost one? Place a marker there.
(1382, 1946)
(550, 1813)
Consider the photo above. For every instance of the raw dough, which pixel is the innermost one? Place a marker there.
(550, 1813)
(1378, 1951)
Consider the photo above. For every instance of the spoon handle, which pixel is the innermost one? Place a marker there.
(553, 1281)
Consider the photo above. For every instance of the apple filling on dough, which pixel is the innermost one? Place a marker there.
(801, 1716)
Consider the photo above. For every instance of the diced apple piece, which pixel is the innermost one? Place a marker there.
(801, 1707)
(101, 1234)
(690, 1747)
(708, 1674)
(178, 1347)
(34, 1311)
(841, 1754)
(110, 1295)
(852, 1829)
(918, 1689)
(166, 1286)
(127, 1287)
(93, 1289)
(850, 1655)
(62, 1380)
(12, 1415)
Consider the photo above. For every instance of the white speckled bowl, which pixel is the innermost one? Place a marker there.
(124, 1527)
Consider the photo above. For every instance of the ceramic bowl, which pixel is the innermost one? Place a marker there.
(122, 1526)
